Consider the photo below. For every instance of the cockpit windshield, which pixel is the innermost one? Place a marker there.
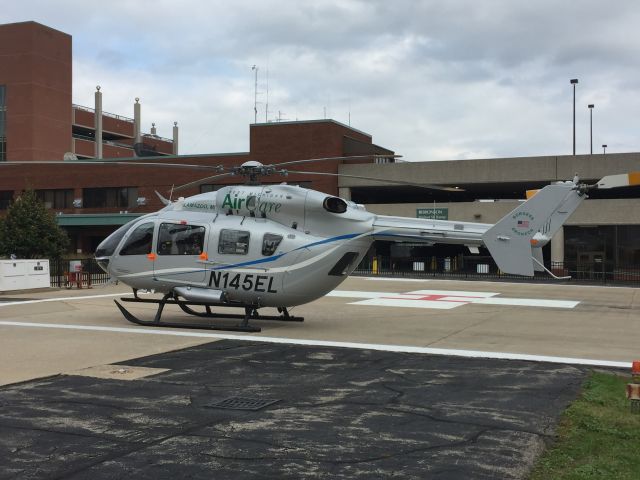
(109, 244)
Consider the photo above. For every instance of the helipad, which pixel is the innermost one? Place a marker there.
(384, 377)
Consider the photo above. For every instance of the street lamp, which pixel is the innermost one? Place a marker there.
(590, 106)
(573, 82)
(604, 149)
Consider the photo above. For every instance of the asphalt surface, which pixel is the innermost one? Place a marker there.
(340, 413)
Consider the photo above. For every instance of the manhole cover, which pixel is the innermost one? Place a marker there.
(243, 403)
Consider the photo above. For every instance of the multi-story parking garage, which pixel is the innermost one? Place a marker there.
(603, 235)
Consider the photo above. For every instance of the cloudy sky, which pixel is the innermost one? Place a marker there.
(430, 79)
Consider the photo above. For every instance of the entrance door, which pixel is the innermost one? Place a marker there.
(179, 252)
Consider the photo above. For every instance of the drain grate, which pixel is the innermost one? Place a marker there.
(243, 403)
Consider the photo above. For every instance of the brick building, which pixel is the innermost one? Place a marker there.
(38, 122)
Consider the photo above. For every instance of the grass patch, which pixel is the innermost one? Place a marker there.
(598, 437)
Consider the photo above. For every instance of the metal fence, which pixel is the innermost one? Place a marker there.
(484, 268)
(65, 273)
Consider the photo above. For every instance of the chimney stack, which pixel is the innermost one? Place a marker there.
(175, 138)
(137, 135)
(98, 122)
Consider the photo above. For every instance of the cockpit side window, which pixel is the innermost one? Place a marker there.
(270, 243)
(180, 239)
(233, 242)
(139, 241)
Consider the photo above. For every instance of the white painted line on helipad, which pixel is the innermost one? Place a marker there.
(528, 302)
(407, 303)
(454, 293)
(383, 279)
(65, 299)
(356, 294)
(324, 343)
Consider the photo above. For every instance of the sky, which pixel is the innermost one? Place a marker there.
(431, 80)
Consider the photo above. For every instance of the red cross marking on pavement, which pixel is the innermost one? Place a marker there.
(434, 297)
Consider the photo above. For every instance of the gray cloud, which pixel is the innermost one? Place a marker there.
(430, 79)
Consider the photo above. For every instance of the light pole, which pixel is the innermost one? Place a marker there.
(573, 82)
(591, 105)
(604, 149)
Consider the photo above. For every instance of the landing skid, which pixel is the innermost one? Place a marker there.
(251, 313)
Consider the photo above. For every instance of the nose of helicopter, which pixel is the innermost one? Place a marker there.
(108, 247)
(103, 263)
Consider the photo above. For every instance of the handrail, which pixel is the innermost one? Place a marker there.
(157, 137)
(104, 114)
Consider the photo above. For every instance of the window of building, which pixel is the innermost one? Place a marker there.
(179, 239)
(270, 243)
(3, 116)
(6, 198)
(234, 242)
(139, 242)
(110, 197)
(57, 199)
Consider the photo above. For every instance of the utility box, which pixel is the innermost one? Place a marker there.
(24, 274)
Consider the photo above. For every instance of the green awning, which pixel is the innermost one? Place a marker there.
(94, 219)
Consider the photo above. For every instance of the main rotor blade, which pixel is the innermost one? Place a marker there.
(323, 159)
(396, 182)
(202, 180)
(620, 180)
(108, 162)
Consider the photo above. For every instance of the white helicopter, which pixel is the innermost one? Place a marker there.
(254, 246)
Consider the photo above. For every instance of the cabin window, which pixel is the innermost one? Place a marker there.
(270, 243)
(180, 239)
(234, 242)
(139, 242)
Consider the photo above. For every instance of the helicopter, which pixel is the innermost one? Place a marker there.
(255, 246)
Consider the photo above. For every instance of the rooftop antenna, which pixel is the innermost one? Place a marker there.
(266, 108)
(255, 96)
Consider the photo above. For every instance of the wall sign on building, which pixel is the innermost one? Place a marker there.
(433, 213)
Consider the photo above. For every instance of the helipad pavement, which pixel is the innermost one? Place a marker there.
(374, 383)
(51, 332)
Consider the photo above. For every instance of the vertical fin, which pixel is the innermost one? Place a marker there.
(510, 240)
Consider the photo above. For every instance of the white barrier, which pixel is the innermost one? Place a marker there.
(24, 274)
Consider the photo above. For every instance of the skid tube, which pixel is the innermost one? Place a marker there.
(251, 313)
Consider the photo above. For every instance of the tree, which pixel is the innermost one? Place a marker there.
(30, 231)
